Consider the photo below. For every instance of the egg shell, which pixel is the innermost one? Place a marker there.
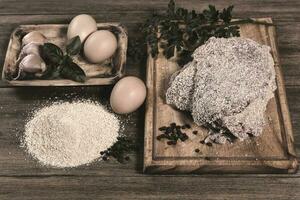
(81, 25)
(100, 46)
(128, 95)
(34, 37)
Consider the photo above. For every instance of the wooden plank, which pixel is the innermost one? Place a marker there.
(149, 187)
(276, 7)
(272, 152)
(116, 180)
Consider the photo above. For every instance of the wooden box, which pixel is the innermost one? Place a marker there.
(97, 74)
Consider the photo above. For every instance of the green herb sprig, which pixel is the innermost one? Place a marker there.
(184, 30)
(179, 31)
(60, 64)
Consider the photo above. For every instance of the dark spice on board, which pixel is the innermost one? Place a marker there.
(173, 133)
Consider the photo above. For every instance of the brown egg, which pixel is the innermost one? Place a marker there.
(128, 95)
(100, 46)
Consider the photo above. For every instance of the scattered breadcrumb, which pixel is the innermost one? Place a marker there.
(70, 134)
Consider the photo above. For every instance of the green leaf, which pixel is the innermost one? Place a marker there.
(182, 13)
(169, 51)
(212, 14)
(191, 15)
(74, 46)
(171, 8)
(51, 54)
(154, 49)
(226, 14)
(71, 70)
(52, 72)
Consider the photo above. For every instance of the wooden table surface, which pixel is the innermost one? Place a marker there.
(23, 178)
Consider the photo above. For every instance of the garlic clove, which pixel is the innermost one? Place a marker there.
(35, 37)
(31, 48)
(31, 64)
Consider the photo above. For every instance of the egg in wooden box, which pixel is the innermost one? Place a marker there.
(82, 25)
(99, 46)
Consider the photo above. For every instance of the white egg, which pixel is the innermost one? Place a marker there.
(34, 37)
(81, 25)
(127, 95)
(100, 46)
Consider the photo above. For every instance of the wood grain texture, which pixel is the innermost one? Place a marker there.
(148, 187)
(24, 179)
(272, 152)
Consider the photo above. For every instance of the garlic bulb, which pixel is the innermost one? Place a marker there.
(31, 63)
(33, 37)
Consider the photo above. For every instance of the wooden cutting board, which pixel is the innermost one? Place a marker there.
(272, 152)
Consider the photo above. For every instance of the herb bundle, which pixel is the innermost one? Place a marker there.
(178, 32)
(60, 64)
